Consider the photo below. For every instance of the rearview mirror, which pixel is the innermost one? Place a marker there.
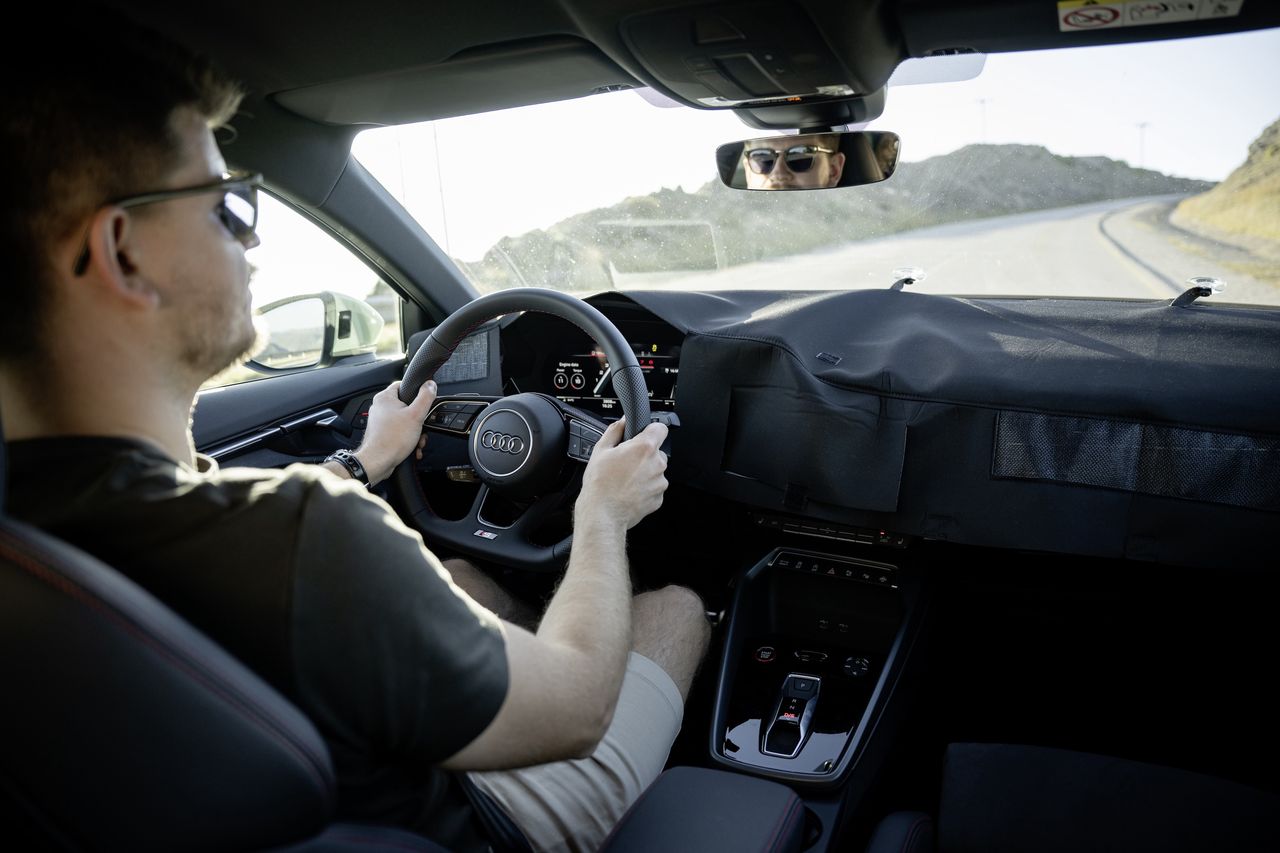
(808, 161)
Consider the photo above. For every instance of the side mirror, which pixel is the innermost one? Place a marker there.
(808, 161)
(314, 330)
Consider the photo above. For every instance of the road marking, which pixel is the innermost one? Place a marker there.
(1171, 287)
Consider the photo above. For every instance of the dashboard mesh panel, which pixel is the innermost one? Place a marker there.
(469, 362)
(1223, 468)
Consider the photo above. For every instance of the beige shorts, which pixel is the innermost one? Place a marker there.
(572, 805)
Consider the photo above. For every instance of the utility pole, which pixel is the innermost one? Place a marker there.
(1142, 144)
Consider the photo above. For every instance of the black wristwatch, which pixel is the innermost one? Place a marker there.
(348, 460)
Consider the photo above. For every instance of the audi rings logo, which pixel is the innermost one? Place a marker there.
(501, 442)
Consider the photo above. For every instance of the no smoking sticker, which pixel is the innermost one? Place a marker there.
(1080, 15)
(1075, 15)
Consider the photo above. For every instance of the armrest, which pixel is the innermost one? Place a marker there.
(692, 810)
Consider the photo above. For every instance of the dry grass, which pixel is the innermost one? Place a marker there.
(1246, 206)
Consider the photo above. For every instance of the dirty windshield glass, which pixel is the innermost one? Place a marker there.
(1118, 171)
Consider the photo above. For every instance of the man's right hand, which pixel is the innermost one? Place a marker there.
(624, 479)
(564, 680)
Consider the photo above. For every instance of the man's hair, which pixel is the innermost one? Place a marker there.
(828, 140)
(86, 118)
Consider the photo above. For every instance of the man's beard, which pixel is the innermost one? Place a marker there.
(209, 359)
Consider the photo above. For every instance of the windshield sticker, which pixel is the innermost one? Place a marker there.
(1077, 15)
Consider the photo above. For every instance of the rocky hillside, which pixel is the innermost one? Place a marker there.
(673, 230)
(1246, 206)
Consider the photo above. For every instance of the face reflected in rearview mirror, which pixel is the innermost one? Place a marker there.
(808, 161)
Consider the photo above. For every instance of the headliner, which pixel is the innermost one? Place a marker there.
(441, 59)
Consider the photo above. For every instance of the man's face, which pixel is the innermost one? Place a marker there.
(198, 267)
(790, 163)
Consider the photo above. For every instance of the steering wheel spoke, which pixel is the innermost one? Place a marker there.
(528, 517)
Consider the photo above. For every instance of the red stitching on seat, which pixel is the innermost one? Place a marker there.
(255, 714)
(912, 832)
(783, 824)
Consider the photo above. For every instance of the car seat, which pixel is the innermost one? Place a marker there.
(1002, 798)
(124, 728)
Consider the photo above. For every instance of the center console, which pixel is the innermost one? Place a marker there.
(816, 641)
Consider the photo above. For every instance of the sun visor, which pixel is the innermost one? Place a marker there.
(550, 69)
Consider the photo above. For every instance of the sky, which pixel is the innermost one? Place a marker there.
(472, 180)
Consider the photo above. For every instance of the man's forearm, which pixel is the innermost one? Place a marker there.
(591, 610)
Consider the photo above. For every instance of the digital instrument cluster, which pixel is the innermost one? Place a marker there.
(583, 377)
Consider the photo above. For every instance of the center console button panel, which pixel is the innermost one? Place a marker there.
(861, 571)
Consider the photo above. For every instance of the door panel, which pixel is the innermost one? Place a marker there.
(280, 415)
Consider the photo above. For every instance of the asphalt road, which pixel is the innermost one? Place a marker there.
(1123, 249)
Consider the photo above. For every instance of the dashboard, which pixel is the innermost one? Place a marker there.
(943, 417)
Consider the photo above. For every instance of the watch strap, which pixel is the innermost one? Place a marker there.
(348, 460)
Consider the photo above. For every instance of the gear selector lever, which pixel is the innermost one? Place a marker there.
(790, 723)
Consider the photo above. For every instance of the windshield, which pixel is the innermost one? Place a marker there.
(1117, 171)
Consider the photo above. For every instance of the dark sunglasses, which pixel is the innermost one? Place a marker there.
(238, 210)
(799, 158)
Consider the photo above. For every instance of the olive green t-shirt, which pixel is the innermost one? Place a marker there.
(313, 583)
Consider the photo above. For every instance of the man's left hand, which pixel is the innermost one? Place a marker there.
(395, 430)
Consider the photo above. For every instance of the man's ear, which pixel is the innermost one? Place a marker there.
(837, 168)
(115, 258)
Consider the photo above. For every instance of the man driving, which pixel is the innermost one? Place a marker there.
(127, 289)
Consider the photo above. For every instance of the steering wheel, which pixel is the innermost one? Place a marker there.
(519, 444)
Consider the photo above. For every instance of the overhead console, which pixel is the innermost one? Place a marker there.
(753, 55)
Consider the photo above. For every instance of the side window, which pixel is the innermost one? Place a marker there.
(315, 300)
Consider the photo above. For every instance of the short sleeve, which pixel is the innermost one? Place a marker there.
(390, 657)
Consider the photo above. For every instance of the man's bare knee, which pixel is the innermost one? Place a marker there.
(669, 626)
